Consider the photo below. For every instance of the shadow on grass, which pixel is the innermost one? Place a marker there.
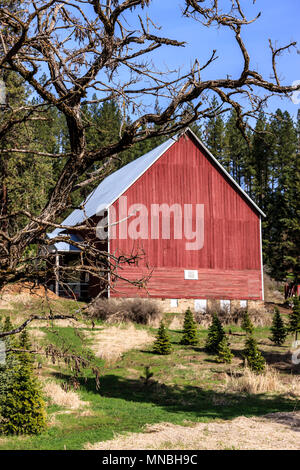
(194, 401)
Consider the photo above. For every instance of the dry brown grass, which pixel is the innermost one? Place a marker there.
(268, 382)
(264, 433)
(176, 323)
(58, 396)
(112, 342)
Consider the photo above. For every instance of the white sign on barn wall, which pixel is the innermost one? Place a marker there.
(190, 274)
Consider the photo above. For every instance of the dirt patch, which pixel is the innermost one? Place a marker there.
(23, 292)
(112, 342)
(27, 289)
(272, 432)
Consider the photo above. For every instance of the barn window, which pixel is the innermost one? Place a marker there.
(200, 305)
(174, 302)
(190, 274)
(243, 303)
(225, 305)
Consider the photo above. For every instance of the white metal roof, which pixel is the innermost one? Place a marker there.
(114, 185)
(64, 246)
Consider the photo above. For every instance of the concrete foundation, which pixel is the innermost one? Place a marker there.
(168, 305)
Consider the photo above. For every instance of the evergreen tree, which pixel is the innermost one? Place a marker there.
(253, 356)
(162, 344)
(189, 329)
(214, 135)
(224, 353)
(294, 317)
(278, 329)
(259, 164)
(281, 227)
(247, 325)
(237, 152)
(23, 409)
(10, 341)
(215, 335)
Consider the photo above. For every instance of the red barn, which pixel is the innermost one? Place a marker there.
(199, 231)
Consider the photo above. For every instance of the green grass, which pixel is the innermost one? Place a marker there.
(187, 386)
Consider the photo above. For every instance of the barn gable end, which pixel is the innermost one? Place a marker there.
(183, 172)
(228, 265)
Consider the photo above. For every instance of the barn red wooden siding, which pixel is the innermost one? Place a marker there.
(229, 264)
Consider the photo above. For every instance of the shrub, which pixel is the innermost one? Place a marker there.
(189, 329)
(162, 344)
(141, 311)
(215, 335)
(247, 325)
(278, 329)
(224, 353)
(253, 356)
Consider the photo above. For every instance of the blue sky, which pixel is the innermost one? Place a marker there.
(279, 21)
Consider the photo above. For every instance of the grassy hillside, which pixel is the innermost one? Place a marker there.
(187, 386)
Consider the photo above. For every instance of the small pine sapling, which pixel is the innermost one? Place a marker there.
(162, 344)
(148, 375)
(215, 335)
(294, 318)
(224, 353)
(189, 336)
(278, 329)
(247, 325)
(253, 356)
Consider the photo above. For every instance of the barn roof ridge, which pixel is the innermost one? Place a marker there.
(115, 184)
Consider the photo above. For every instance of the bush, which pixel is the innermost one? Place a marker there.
(189, 329)
(215, 335)
(278, 329)
(162, 344)
(253, 356)
(141, 311)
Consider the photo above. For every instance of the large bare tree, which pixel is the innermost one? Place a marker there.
(68, 50)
